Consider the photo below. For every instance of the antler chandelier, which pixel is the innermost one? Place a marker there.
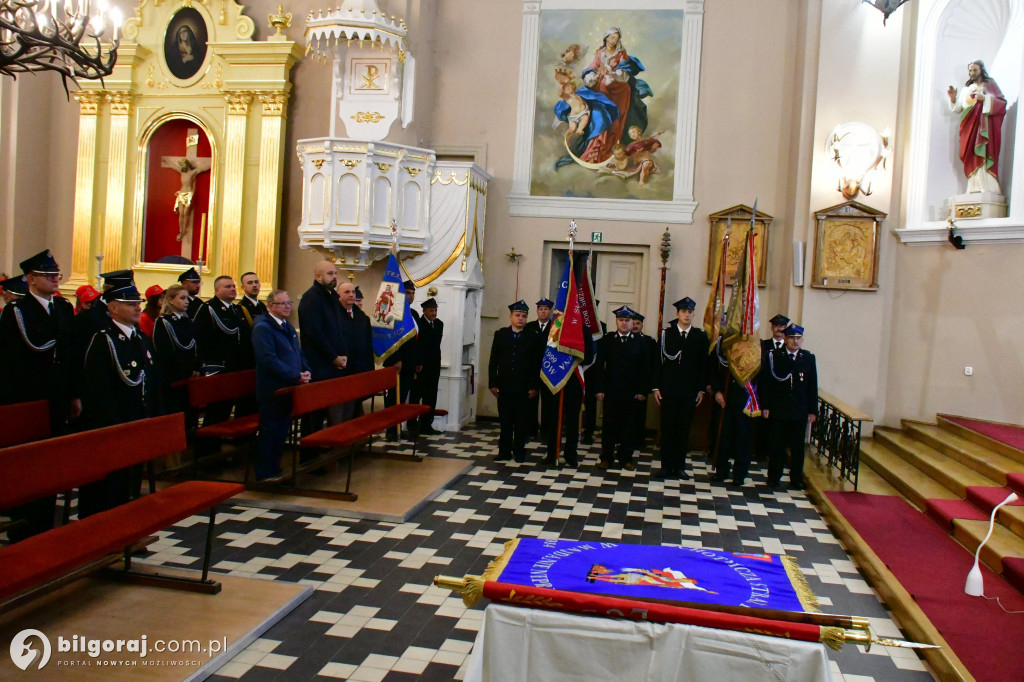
(47, 35)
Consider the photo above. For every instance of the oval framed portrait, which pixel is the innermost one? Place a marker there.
(185, 43)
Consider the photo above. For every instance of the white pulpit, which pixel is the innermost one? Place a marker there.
(362, 194)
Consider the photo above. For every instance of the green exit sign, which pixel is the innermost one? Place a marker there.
(597, 237)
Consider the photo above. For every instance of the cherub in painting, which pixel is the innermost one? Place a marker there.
(640, 152)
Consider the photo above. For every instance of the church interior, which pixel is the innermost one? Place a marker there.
(468, 140)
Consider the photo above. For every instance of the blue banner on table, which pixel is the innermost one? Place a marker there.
(391, 319)
(763, 581)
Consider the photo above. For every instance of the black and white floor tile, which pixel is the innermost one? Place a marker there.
(375, 615)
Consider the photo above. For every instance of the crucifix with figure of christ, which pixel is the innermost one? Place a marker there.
(188, 166)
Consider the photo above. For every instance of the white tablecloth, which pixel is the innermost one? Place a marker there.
(527, 645)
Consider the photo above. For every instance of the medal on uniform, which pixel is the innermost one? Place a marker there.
(120, 337)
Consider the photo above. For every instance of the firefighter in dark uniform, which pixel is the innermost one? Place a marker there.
(35, 344)
(428, 368)
(252, 306)
(571, 397)
(736, 440)
(225, 344)
(12, 288)
(791, 401)
(193, 283)
(762, 429)
(225, 339)
(651, 346)
(679, 386)
(117, 387)
(88, 322)
(513, 374)
(541, 329)
(176, 352)
(622, 381)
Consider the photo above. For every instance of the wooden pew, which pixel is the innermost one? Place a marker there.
(33, 470)
(24, 423)
(222, 388)
(320, 395)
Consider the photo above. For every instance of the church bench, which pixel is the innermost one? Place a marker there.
(221, 388)
(24, 422)
(34, 470)
(320, 395)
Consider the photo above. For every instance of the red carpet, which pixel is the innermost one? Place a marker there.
(932, 567)
(1015, 482)
(1013, 571)
(986, 498)
(943, 512)
(1010, 434)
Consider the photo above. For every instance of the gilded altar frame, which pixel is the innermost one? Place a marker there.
(846, 247)
(238, 96)
(737, 221)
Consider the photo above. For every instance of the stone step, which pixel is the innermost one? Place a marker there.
(996, 446)
(980, 458)
(945, 470)
(910, 481)
(1003, 543)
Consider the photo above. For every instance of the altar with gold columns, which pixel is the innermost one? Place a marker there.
(191, 68)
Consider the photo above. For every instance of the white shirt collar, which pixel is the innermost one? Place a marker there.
(684, 331)
(45, 301)
(252, 300)
(129, 331)
(178, 316)
(275, 318)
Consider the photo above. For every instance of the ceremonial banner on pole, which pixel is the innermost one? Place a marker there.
(759, 593)
(573, 324)
(741, 345)
(714, 313)
(678, 574)
(391, 319)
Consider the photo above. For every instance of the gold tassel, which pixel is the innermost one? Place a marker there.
(803, 589)
(473, 591)
(499, 563)
(833, 638)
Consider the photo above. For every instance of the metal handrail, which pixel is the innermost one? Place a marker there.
(836, 435)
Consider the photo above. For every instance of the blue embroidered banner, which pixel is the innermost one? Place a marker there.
(391, 319)
(683, 574)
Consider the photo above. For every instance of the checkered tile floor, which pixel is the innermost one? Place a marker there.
(375, 615)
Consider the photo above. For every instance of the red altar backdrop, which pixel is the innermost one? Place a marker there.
(160, 226)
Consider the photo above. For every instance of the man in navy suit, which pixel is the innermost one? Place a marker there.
(279, 364)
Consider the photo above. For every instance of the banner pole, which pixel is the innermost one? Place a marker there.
(558, 425)
(721, 420)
